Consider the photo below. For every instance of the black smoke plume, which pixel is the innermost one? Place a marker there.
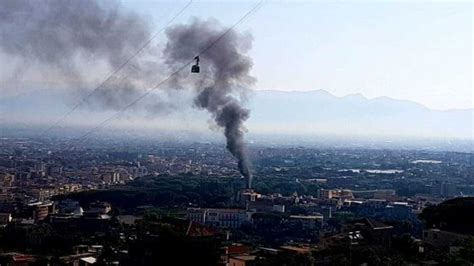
(225, 75)
(63, 34)
(66, 35)
(53, 32)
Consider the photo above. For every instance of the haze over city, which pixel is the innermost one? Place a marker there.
(366, 53)
(236, 133)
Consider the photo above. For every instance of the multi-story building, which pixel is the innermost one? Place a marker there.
(325, 193)
(336, 193)
(308, 222)
(386, 194)
(7, 179)
(231, 218)
(41, 210)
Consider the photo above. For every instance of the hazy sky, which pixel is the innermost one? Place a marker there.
(419, 51)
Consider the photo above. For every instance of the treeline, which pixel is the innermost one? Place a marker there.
(455, 215)
(185, 190)
(165, 191)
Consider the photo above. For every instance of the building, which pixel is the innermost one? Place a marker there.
(16, 259)
(69, 206)
(382, 194)
(325, 193)
(443, 189)
(232, 251)
(41, 210)
(5, 218)
(231, 218)
(99, 207)
(42, 193)
(111, 177)
(336, 193)
(300, 250)
(308, 222)
(373, 232)
(243, 260)
(248, 195)
(399, 211)
(279, 208)
(54, 170)
(7, 179)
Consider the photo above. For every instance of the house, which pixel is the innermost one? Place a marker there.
(16, 259)
(5, 218)
(373, 232)
(244, 260)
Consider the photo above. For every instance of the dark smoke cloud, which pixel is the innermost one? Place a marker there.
(225, 75)
(64, 34)
(54, 31)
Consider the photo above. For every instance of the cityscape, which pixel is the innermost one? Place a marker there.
(136, 202)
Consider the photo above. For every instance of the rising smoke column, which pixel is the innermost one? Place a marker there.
(224, 77)
(63, 34)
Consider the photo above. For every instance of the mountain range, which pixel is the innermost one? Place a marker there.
(285, 112)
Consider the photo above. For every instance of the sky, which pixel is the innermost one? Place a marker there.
(418, 51)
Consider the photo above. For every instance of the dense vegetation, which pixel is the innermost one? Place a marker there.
(165, 192)
(453, 215)
(180, 191)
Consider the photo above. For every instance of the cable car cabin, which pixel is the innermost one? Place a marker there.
(195, 68)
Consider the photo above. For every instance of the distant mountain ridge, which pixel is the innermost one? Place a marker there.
(320, 111)
(292, 112)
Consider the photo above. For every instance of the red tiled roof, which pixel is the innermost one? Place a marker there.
(232, 250)
(195, 229)
(23, 258)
